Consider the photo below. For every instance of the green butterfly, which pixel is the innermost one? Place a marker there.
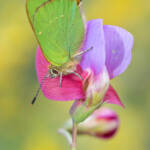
(59, 29)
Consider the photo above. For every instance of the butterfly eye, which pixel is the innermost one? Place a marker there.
(55, 72)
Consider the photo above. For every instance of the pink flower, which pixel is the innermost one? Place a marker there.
(103, 123)
(110, 56)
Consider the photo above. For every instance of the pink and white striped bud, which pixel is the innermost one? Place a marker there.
(95, 86)
(103, 123)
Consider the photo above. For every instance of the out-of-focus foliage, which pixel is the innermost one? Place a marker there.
(23, 127)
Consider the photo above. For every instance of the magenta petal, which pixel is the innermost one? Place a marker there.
(95, 58)
(105, 113)
(112, 97)
(119, 43)
(71, 85)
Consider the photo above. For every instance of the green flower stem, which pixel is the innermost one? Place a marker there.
(67, 134)
(74, 137)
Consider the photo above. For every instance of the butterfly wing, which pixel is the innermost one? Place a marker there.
(58, 27)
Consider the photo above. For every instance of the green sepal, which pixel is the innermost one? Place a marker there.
(83, 111)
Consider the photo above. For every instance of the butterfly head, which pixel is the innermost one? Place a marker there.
(68, 68)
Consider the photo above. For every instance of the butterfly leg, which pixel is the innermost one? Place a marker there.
(61, 75)
(76, 74)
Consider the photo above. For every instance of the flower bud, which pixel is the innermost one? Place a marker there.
(103, 123)
(95, 88)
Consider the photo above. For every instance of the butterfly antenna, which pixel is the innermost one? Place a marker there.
(82, 52)
(38, 91)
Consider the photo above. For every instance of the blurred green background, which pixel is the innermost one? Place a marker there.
(23, 127)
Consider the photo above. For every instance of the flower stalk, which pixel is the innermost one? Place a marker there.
(69, 131)
(74, 136)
